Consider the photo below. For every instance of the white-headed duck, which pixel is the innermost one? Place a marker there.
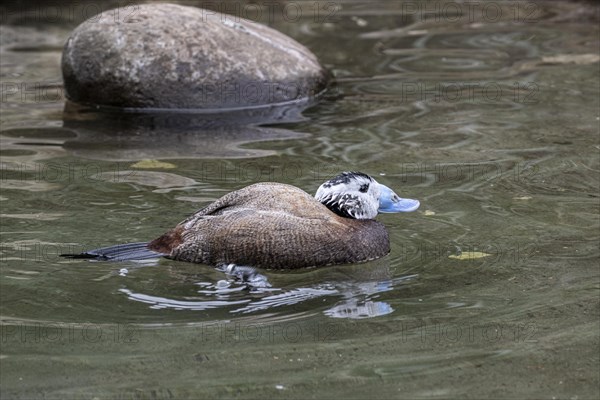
(278, 226)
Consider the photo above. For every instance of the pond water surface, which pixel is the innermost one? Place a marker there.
(488, 116)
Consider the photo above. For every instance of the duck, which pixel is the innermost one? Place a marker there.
(272, 225)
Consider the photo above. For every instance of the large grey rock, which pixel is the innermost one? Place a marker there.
(172, 56)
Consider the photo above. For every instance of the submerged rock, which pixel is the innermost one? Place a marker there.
(176, 57)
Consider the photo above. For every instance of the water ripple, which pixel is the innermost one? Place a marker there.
(162, 302)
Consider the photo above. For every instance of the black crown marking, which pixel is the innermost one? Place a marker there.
(345, 178)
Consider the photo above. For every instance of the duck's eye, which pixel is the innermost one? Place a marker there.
(363, 188)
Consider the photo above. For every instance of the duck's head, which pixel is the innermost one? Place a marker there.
(357, 195)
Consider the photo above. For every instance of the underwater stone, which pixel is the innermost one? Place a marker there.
(171, 56)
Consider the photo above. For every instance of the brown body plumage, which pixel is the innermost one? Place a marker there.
(272, 225)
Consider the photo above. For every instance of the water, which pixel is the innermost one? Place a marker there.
(491, 122)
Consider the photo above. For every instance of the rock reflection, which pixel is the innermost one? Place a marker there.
(130, 136)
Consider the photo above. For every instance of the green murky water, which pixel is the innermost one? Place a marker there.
(487, 113)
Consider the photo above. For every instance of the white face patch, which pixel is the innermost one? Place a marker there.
(351, 195)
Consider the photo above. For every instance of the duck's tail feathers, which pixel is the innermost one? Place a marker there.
(121, 252)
